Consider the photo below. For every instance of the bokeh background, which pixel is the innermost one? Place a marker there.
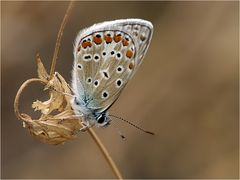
(186, 91)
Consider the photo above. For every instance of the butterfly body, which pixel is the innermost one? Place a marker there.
(106, 56)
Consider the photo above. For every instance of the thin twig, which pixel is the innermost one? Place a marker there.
(105, 153)
(59, 37)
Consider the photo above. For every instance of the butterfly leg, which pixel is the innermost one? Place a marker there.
(84, 127)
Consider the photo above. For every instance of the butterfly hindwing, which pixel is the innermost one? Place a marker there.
(106, 56)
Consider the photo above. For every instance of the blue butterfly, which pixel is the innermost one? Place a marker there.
(106, 56)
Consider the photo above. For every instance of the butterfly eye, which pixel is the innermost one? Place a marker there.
(101, 119)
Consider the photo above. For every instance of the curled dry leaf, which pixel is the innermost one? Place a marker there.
(57, 122)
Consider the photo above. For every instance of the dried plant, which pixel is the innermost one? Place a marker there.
(50, 128)
(57, 123)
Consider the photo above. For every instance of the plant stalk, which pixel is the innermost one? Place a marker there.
(59, 38)
(105, 153)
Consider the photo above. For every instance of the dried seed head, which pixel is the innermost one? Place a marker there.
(51, 128)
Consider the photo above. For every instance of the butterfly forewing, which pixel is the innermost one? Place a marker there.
(106, 57)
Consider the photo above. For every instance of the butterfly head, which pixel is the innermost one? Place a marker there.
(95, 117)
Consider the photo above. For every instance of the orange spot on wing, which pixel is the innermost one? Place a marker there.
(131, 65)
(86, 44)
(97, 40)
(129, 53)
(117, 38)
(125, 42)
(108, 39)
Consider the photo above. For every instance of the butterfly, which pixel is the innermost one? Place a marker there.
(106, 56)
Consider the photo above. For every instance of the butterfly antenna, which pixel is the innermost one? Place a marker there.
(148, 132)
(119, 132)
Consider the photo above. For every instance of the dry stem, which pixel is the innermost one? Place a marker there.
(105, 153)
(59, 37)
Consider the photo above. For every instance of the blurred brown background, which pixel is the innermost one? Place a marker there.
(186, 91)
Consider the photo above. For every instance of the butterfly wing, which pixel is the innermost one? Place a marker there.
(106, 56)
